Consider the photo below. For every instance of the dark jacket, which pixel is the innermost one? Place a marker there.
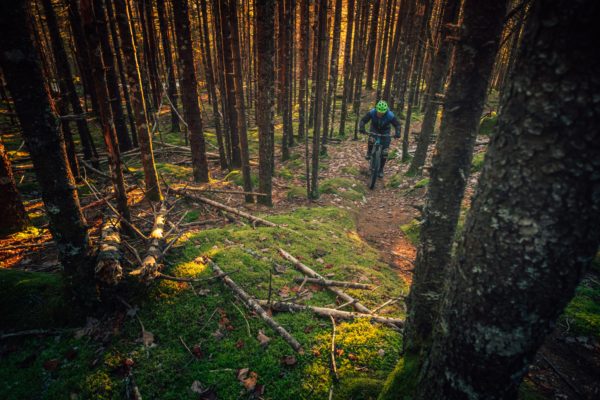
(380, 125)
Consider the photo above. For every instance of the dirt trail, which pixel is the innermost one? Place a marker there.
(379, 217)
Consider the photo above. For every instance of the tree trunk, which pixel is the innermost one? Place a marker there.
(265, 29)
(138, 99)
(169, 65)
(44, 142)
(228, 71)
(452, 163)
(93, 23)
(189, 85)
(304, 64)
(13, 216)
(320, 82)
(521, 256)
(333, 72)
(211, 87)
(149, 40)
(239, 99)
(372, 43)
(111, 77)
(387, 32)
(435, 86)
(285, 30)
(347, 68)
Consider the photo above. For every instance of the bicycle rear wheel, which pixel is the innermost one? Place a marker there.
(375, 163)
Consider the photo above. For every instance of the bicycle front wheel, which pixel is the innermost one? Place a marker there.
(375, 163)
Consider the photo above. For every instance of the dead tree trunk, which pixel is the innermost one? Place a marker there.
(13, 217)
(452, 163)
(521, 256)
(265, 29)
(91, 26)
(138, 102)
(39, 127)
(189, 86)
(169, 64)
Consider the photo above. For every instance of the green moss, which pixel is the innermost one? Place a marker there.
(176, 171)
(285, 173)
(412, 231)
(477, 163)
(583, 312)
(358, 389)
(351, 170)
(421, 184)
(349, 189)
(99, 386)
(488, 123)
(395, 181)
(192, 215)
(296, 192)
(32, 300)
(238, 178)
(401, 383)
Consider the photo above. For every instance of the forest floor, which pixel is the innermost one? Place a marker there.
(181, 340)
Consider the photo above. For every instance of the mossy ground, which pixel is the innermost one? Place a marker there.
(324, 238)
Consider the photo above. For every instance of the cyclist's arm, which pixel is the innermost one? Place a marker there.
(363, 121)
(397, 126)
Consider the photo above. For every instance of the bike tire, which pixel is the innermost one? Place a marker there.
(375, 161)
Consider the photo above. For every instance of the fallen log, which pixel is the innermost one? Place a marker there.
(308, 271)
(328, 282)
(108, 266)
(223, 207)
(150, 265)
(224, 191)
(257, 308)
(330, 312)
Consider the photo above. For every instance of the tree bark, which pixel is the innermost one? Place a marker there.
(265, 29)
(92, 24)
(435, 85)
(13, 216)
(385, 44)
(372, 43)
(347, 68)
(285, 25)
(189, 85)
(320, 82)
(138, 100)
(521, 256)
(21, 66)
(333, 72)
(465, 96)
(169, 64)
(304, 65)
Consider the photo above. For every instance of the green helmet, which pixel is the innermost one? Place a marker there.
(381, 106)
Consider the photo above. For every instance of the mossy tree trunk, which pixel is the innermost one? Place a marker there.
(265, 29)
(534, 225)
(21, 66)
(474, 58)
(189, 85)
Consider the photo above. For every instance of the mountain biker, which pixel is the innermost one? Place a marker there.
(381, 118)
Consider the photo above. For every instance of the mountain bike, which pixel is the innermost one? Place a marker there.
(375, 163)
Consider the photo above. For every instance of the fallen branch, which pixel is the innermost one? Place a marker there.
(330, 312)
(333, 366)
(327, 282)
(94, 170)
(223, 207)
(257, 308)
(225, 191)
(108, 268)
(308, 271)
(387, 303)
(150, 265)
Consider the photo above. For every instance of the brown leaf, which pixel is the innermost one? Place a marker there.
(352, 357)
(289, 360)
(250, 382)
(218, 334)
(242, 374)
(197, 351)
(147, 338)
(51, 365)
(284, 292)
(240, 344)
(262, 338)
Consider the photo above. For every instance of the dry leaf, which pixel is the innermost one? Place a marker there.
(262, 338)
(147, 338)
(381, 352)
(284, 292)
(289, 360)
(197, 351)
(242, 374)
(250, 382)
(240, 344)
(197, 387)
(218, 334)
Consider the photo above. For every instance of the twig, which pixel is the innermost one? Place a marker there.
(187, 348)
(243, 316)
(34, 332)
(333, 366)
(387, 303)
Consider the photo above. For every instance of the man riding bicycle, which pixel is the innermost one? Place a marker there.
(381, 118)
